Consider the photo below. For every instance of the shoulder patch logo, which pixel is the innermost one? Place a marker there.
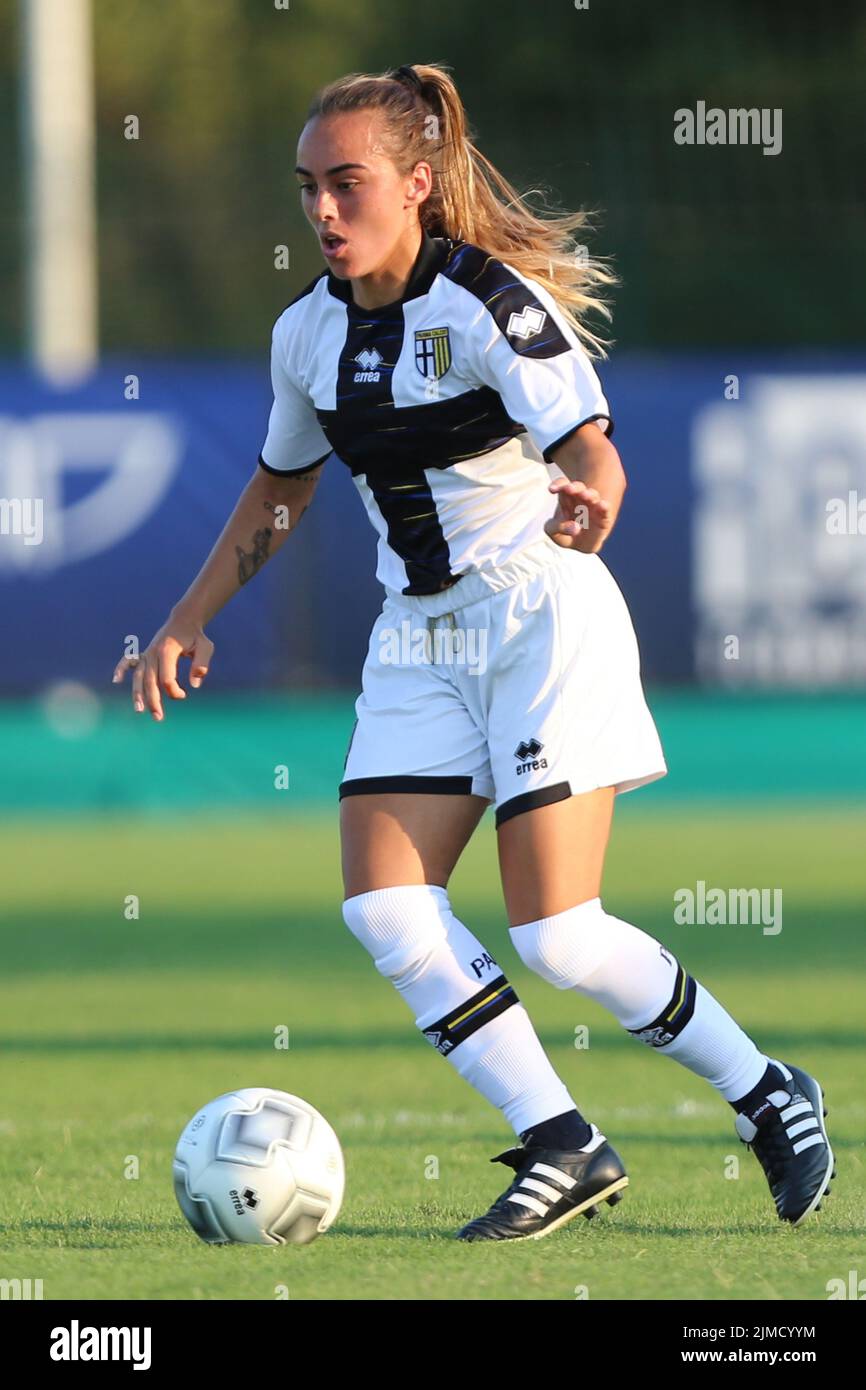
(432, 351)
(526, 324)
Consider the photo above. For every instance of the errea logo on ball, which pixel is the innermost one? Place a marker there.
(246, 1201)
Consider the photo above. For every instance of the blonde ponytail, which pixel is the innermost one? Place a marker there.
(424, 119)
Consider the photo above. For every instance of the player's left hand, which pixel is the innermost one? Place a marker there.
(582, 518)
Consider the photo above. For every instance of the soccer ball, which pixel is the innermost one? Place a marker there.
(259, 1167)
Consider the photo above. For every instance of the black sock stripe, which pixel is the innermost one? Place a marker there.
(674, 1016)
(490, 1001)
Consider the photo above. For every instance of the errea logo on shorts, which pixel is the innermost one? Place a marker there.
(527, 756)
(245, 1201)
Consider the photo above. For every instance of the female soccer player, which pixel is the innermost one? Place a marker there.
(442, 354)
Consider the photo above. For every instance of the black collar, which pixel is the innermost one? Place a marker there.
(432, 254)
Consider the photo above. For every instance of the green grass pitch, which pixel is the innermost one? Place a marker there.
(113, 1031)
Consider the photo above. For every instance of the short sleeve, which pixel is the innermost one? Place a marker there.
(525, 349)
(295, 440)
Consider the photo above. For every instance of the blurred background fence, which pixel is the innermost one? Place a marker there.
(717, 246)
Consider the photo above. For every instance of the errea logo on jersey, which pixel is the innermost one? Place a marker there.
(527, 323)
(368, 360)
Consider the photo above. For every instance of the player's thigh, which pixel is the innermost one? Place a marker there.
(394, 838)
(552, 857)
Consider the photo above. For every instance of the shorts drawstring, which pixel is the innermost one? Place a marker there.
(448, 620)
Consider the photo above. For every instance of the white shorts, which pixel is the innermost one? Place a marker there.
(520, 684)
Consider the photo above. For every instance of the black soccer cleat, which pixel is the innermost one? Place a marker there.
(788, 1137)
(551, 1186)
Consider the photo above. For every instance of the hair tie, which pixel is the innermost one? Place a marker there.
(408, 75)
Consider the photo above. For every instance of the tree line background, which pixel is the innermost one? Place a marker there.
(716, 246)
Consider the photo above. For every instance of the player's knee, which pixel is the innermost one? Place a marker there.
(570, 945)
(403, 928)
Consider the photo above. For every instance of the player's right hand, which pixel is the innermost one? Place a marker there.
(155, 669)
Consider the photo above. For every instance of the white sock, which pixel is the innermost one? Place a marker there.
(645, 988)
(460, 999)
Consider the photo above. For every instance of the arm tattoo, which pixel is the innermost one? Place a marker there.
(269, 506)
(250, 563)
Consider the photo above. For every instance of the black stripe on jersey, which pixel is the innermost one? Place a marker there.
(414, 529)
(366, 424)
(365, 414)
(444, 432)
(503, 295)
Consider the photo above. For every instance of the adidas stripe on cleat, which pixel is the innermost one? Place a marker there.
(551, 1187)
(787, 1134)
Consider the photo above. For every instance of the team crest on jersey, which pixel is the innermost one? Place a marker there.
(432, 352)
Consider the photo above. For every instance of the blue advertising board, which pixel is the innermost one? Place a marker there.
(741, 545)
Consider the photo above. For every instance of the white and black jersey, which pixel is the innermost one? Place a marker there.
(444, 405)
